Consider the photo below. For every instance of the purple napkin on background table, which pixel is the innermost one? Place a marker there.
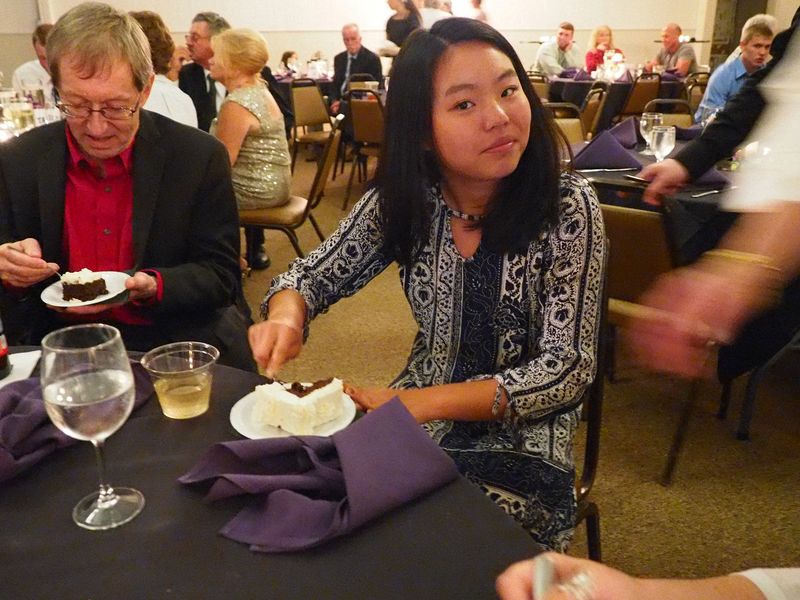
(604, 152)
(626, 132)
(688, 133)
(713, 178)
(312, 489)
(26, 433)
(583, 75)
(625, 77)
(670, 76)
(568, 73)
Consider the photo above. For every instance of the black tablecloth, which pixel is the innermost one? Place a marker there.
(569, 90)
(451, 544)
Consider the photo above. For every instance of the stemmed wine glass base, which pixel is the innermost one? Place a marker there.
(647, 152)
(91, 514)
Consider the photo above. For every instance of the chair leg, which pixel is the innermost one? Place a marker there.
(748, 405)
(294, 154)
(350, 182)
(725, 399)
(611, 354)
(593, 532)
(293, 239)
(316, 227)
(680, 433)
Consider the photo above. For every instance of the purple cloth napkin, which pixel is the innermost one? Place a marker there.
(712, 178)
(568, 73)
(625, 77)
(688, 133)
(605, 152)
(626, 132)
(312, 489)
(583, 75)
(670, 76)
(26, 433)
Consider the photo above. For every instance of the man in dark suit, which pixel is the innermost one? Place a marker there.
(355, 59)
(194, 78)
(116, 188)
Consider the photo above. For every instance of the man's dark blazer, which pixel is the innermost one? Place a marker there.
(192, 80)
(185, 224)
(366, 62)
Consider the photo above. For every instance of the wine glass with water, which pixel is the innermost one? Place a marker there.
(88, 392)
(646, 124)
(662, 138)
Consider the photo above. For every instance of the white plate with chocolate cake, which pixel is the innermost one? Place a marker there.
(279, 409)
(84, 287)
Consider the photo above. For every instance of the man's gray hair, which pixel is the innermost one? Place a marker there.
(216, 23)
(94, 35)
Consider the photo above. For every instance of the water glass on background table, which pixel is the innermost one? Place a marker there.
(646, 123)
(181, 374)
(662, 139)
(88, 392)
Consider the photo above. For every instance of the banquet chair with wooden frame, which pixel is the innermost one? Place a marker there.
(366, 119)
(291, 216)
(310, 110)
(567, 117)
(541, 84)
(645, 88)
(592, 108)
(587, 510)
(640, 252)
(674, 112)
(696, 85)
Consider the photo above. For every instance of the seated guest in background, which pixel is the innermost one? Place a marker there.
(553, 57)
(501, 257)
(113, 187)
(35, 73)
(728, 78)
(194, 78)
(760, 18)
(165, 97)
(180, 56)
(431, 12)
(600, 42)
(478, 12)
(580, 579)
(355, 59)
(288, 64)
(250, 124)
(675, 56)
(406, 18)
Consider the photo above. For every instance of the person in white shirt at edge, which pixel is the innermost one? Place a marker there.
(35, 73)
(555, 56)
(580, 579)
(432, 11)
(760, 18)
(165, 98)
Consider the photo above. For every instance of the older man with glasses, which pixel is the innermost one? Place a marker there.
(117, 188)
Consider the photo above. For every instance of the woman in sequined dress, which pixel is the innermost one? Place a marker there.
(501, 258)
(251, 126)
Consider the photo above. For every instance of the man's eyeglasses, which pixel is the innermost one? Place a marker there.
(112, 113)
(193, 37)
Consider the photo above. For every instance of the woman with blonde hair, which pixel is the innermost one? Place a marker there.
(601, 41)
(251, 126)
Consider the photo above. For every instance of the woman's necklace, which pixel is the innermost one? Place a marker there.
(467, 217)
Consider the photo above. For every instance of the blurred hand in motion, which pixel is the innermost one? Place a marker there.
(274, 343)
(703, 305)
(516, 582)
(22, 265)
(666, 178)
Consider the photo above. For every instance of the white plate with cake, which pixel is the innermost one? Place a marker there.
(84, 287)
(286, 409)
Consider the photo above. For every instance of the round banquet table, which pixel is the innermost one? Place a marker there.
(449, 544)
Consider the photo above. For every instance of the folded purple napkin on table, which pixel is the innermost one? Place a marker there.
(568, 73)
(605, 152)
(670, 76)
(26, 433)
(688, 133)
(583, 75)
(312, 489)
(626, 132)
(625, 77)
(713, 178)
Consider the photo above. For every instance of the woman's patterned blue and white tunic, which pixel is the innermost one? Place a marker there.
(528, 320)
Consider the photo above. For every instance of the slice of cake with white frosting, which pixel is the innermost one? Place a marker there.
(82, 285)
(299, 408)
